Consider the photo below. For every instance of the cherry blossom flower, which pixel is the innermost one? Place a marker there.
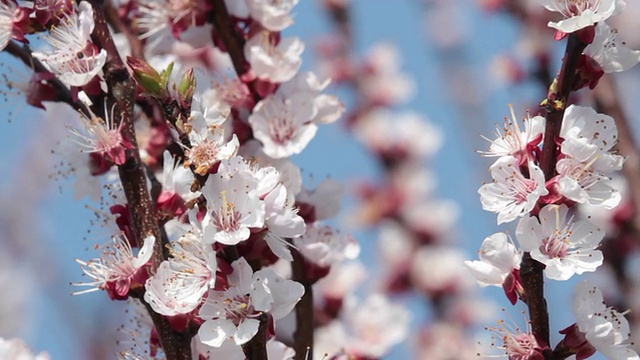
(283, 125)
(16, 349)
(328, 107)
(103, 137)
(233, 207)
(516, 344)
(578, 182)
(604, 328)
(324, 247)
(511, 194)
(208, 109)
(325, 199)
(513, 141)
(267, 178)
(438, 270)
(208, 147)
(176, 186)
(580, 14)
(7, 10)
(564, 245)
(366, 329)
(118, 270)
(383, 83)
(75, 59)
(590, 136)
(272, 15)
(405, 135)
(232, 313)
(180, 282)
(611, 54)
(498, 259)
(271, 62)
(282, 220)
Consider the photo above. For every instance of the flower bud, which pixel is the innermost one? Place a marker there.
(148, 78)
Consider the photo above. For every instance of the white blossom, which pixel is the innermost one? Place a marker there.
(16, 349)
(579, 182)
(117, 268)
(283, 124)
(179, 284)
(271, 62)
(233, 207)
(323, 246)
(7, 10)
(498, 258)
(514, 141)
(611, 54)
(589, 137)
(582, 13)
(231, 313)
(564, 245)
(75, 59)
(604, 328)
(511, 194)
(274, 15)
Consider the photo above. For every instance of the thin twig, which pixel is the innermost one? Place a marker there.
(303, 336)
(530, 269)
(233, 41)
(122, 92)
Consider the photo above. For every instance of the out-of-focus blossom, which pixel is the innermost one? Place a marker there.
(16, 349)
(580, 14)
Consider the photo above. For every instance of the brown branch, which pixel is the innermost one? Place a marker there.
(122, 92)
(303, 336)
(63, 93)
(233, 42)
(111, 15)
(530, 269)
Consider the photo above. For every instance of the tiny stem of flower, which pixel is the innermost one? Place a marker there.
(531, 270)
(303, 336)
(233, 41)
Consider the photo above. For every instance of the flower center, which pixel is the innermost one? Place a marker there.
(239, 308)
(577, 7)
(519, 347)
(203, 156)
(556, 245)
(228, 218)
(281, 129)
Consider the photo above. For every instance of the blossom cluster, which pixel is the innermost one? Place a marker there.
(214, 152)
(542, 196)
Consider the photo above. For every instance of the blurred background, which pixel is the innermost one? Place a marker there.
(463, 61)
